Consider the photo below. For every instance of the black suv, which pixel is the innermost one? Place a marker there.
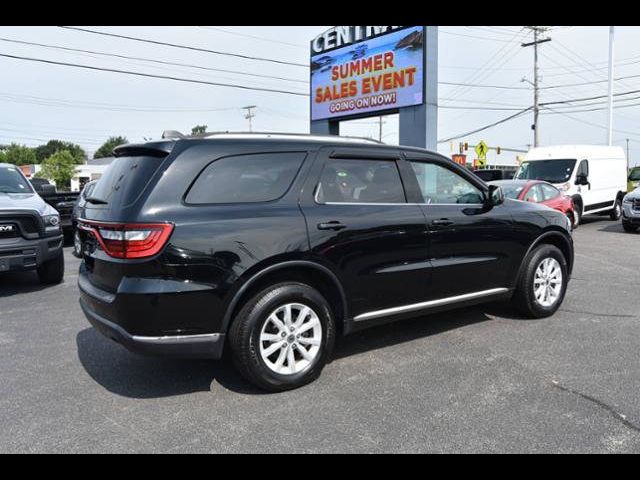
(274, 244)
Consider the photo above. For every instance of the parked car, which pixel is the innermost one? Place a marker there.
(595, 177)
(78, 210)
(271, 245)
(634, 179)
(63, 202)
(539, 192)
(631, 211)
(30, 234)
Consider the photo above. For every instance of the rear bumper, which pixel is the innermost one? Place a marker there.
(190, 346)
(19, 254)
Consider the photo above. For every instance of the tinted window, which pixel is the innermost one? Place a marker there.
(125, 179)
(549, 191)
(441, 186)
(360, 181)
(534, 194)
(252, 178)
(12, 181)
(635, 175)
(552, 171)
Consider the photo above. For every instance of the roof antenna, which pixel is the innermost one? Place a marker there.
(167, 134)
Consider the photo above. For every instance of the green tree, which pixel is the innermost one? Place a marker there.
(17, 154)
(106, 150)
(59, 167)
(199, 130)
(54, 146)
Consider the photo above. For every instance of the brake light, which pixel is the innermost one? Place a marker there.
(129, 241)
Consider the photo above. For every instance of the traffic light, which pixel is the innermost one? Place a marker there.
(466, 146)
(498, 150)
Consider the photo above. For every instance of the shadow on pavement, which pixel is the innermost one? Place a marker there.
(133, 376)
(20, 282)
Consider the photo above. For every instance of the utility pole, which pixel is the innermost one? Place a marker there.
(250, 115)
(536, 79)
(611, 53)
(628, 157)
(381, 123)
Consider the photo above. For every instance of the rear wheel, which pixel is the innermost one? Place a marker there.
(52, 272)
(77, 244)
(572, 218)
(616, 213)
(282, 338)
(543, 282)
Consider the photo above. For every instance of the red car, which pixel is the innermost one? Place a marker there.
(537, 191)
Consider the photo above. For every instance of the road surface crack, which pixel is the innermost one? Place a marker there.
(617, 415)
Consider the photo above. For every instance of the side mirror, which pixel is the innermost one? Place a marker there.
(582, 180)
(495, 196)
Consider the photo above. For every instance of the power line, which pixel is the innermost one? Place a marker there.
(185, 47)
(481, 129)
(162, 62)
(256, 37)
(150, 75)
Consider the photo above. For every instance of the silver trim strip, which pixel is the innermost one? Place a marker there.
(175, 339)
(430, 304)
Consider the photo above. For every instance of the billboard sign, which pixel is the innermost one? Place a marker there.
(385, 72)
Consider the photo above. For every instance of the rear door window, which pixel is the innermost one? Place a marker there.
(124, 180)
(255, 178)
(534, 194)
(549, 191)
(360, 181)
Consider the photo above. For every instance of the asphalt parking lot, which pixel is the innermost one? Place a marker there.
(479, 380)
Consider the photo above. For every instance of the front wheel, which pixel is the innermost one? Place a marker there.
(52, 272)
(282, 338)
(77, 244)
(543, 282)
(629, 227)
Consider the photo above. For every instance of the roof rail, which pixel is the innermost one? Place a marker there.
(284, 134)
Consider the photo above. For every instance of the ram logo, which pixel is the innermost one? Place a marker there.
(6, 228)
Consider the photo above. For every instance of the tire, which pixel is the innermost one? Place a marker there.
(577, 203)
(616, 213)
(572, 219)
(52, 271)
(629, 228)
(77, 244)
(525, 298)
(254, 322)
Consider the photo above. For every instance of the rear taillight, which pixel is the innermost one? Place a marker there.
(137, 240)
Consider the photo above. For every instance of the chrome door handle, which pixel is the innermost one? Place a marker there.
(443, 222)
(336, 226)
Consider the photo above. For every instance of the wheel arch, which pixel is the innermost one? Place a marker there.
(308, 272)
(557, 239)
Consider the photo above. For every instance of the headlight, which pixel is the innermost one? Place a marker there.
(565, 187)
(627, 200)
(51, 220)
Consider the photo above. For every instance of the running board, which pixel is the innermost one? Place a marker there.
(430, 304)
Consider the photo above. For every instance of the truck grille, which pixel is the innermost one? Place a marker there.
(636, 203)
(28, 225)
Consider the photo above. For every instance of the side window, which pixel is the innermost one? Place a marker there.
(534, 194)
(440, 186)
(583, 169)
(254, 178)
(549, 192)
(360, 181)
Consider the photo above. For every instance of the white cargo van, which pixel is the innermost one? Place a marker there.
(594, 176)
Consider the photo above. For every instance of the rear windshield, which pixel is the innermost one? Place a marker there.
(552, 171)
(125, 179)
(254, 178)
(12, 181)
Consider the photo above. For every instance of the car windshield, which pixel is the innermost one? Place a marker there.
(635, 175)
(552, 171)
(512, 190)
(12, 181)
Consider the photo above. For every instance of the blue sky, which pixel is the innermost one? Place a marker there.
(41, 101)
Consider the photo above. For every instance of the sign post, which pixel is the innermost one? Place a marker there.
(362, 71)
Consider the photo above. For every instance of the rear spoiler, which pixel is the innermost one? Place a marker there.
(153, 149)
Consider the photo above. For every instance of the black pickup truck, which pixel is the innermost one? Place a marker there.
(30, 234)
(63, 202)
